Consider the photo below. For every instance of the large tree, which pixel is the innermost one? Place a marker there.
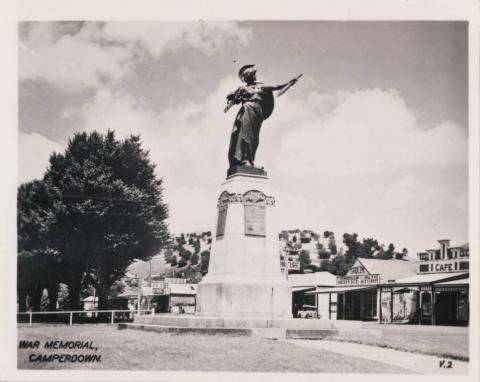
(304, 259)
(110, 212)
(38, 264)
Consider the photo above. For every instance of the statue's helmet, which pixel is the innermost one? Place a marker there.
(243, 69)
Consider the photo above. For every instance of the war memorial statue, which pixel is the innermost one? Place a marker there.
(257, 105)
(244, 279)
(245, 288)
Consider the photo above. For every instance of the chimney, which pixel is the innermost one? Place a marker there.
(444, 245)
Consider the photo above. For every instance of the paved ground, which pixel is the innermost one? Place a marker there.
(441, 341)
(416, 363)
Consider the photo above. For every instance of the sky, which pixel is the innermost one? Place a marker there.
(373, 139)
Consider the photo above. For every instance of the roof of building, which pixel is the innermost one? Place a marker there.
(454, 282)
(90, 299)
(430, 277)
(312, 279)
(342, 289)
(190, 289)
(389, 269)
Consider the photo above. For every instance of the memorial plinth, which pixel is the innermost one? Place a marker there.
(244, 292)
(244, 277)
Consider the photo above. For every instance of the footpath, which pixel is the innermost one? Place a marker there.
(414, 362)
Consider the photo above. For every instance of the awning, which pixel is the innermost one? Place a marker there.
(427, 278)
(300, 289)
(454, 283)
(453, 286)
(342, 289)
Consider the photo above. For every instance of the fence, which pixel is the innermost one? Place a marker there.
(85, 316)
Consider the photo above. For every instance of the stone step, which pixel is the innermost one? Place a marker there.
(270, 333)
(244, 322)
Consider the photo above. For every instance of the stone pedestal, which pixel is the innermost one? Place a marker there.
(244, 277)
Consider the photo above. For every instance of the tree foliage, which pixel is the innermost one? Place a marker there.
(38, 264)
(204, 261)
(194, 259)
(107, 211)
(304, 259)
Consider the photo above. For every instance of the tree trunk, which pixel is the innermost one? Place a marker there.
(52, 297)
(36, 295)
(74, 288)
(103, 291)
(22, 300)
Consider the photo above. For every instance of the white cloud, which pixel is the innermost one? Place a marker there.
(71, 62)
(34, 154)
(98, 53)
(348, 162)
(368, 131)
(191, 136)
(360, 161)
(156, 38)
(188, 143)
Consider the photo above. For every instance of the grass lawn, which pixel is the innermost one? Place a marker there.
(138, 350)
(452, 345)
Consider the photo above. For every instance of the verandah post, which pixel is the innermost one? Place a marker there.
(379, 304)
(391, 305)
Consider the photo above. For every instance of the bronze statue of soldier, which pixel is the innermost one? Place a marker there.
(257, 105)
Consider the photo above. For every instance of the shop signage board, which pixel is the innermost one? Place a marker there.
(292, 265)
(362, 279)
(175, 280)
(357, 270)
(443, 266)
(147, 291)
(131, 291)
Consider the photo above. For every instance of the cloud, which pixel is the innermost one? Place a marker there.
(188, 143)
(34, 150)
(190, 135)
(351, 161)
(156, 38)
(74, 56)
(71, 62)
(359, 132)
(359, 161)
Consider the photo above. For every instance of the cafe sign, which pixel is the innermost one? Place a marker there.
(358, 279)
(443, 266)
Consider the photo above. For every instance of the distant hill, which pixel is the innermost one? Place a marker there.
(306, 239)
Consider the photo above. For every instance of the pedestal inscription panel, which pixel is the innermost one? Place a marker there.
(221, 220)
(254, 220)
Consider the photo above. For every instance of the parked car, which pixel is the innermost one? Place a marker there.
(308, 311)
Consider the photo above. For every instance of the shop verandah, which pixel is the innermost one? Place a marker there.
(437, 299)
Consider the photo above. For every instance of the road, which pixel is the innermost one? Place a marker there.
(414, 362)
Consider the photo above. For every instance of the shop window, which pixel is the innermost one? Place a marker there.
(462, 306)
(370, 305)
(423, 256)
(423, 267)
(426, 304)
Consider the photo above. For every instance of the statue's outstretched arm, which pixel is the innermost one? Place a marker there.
(280, 87)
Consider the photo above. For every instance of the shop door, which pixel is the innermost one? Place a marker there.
(443, 308)
(356, 302)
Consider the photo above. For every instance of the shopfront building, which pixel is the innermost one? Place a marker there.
(437, 295)
(432, 291)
